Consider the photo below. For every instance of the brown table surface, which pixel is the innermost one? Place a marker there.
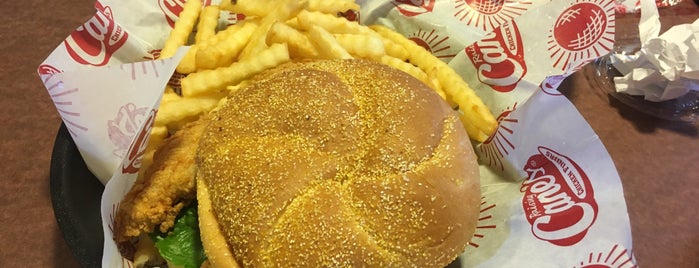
(657, 160)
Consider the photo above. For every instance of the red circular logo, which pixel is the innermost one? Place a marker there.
(486, 6)
(580, 26)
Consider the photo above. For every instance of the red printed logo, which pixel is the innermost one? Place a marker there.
(558, 198)
(411, 8)
(488, 14)
(486, 6)
(94, 42)
(137, 148)
(499, 58)
(125, 126)
(580, 26)
(47, 69)
(171, 9)
(584, 31)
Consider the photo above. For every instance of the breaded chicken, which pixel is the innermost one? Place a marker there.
(164, 189)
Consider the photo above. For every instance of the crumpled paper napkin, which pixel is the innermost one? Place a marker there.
(667, 66)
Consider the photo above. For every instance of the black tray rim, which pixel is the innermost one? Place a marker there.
(76, 196)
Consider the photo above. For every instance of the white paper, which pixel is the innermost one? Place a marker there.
(104, 127)
(666, 66)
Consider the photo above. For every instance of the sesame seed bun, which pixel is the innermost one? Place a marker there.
(336, 163)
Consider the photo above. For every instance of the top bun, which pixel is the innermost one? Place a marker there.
(338, 163)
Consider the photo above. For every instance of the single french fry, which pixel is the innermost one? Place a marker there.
(208, 21)
(416, 54)
(475, 111)
(471, 129)
(394, 49)
(327, 45)
(416, 72)
(168, 95)
(362, 45)
(183, 28)
(331, 23)
(300, 45)
(188, 63)
(254, 8)
(406, 67)
(215, 80)
(224, 47)
(185, 109)
(332, 6)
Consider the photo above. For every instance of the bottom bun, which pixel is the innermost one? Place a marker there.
(336, 163)
(218, 252)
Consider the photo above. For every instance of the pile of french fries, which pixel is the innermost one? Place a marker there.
(221, 61)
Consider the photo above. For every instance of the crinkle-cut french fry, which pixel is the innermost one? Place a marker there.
(299, 45)
(185, 109)
(471, 129)
(169, 95)
(408, 68)
(183, 28)
(257, 8)
(223, 49)
(217, 79)
(188, 63)
(394, 49)
(362, 45)
(475, 111)
(208, 21)
(332, 6)
(283, 11)
(331, 23)
(416, 54)
(327, 45)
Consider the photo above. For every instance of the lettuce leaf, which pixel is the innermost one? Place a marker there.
(182, 246)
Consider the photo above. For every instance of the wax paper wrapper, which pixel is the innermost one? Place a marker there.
(551, 194)
(667, 65)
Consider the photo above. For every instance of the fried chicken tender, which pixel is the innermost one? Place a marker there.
(164, 189)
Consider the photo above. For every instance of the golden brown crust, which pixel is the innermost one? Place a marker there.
(166, 187)
(340, 163)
